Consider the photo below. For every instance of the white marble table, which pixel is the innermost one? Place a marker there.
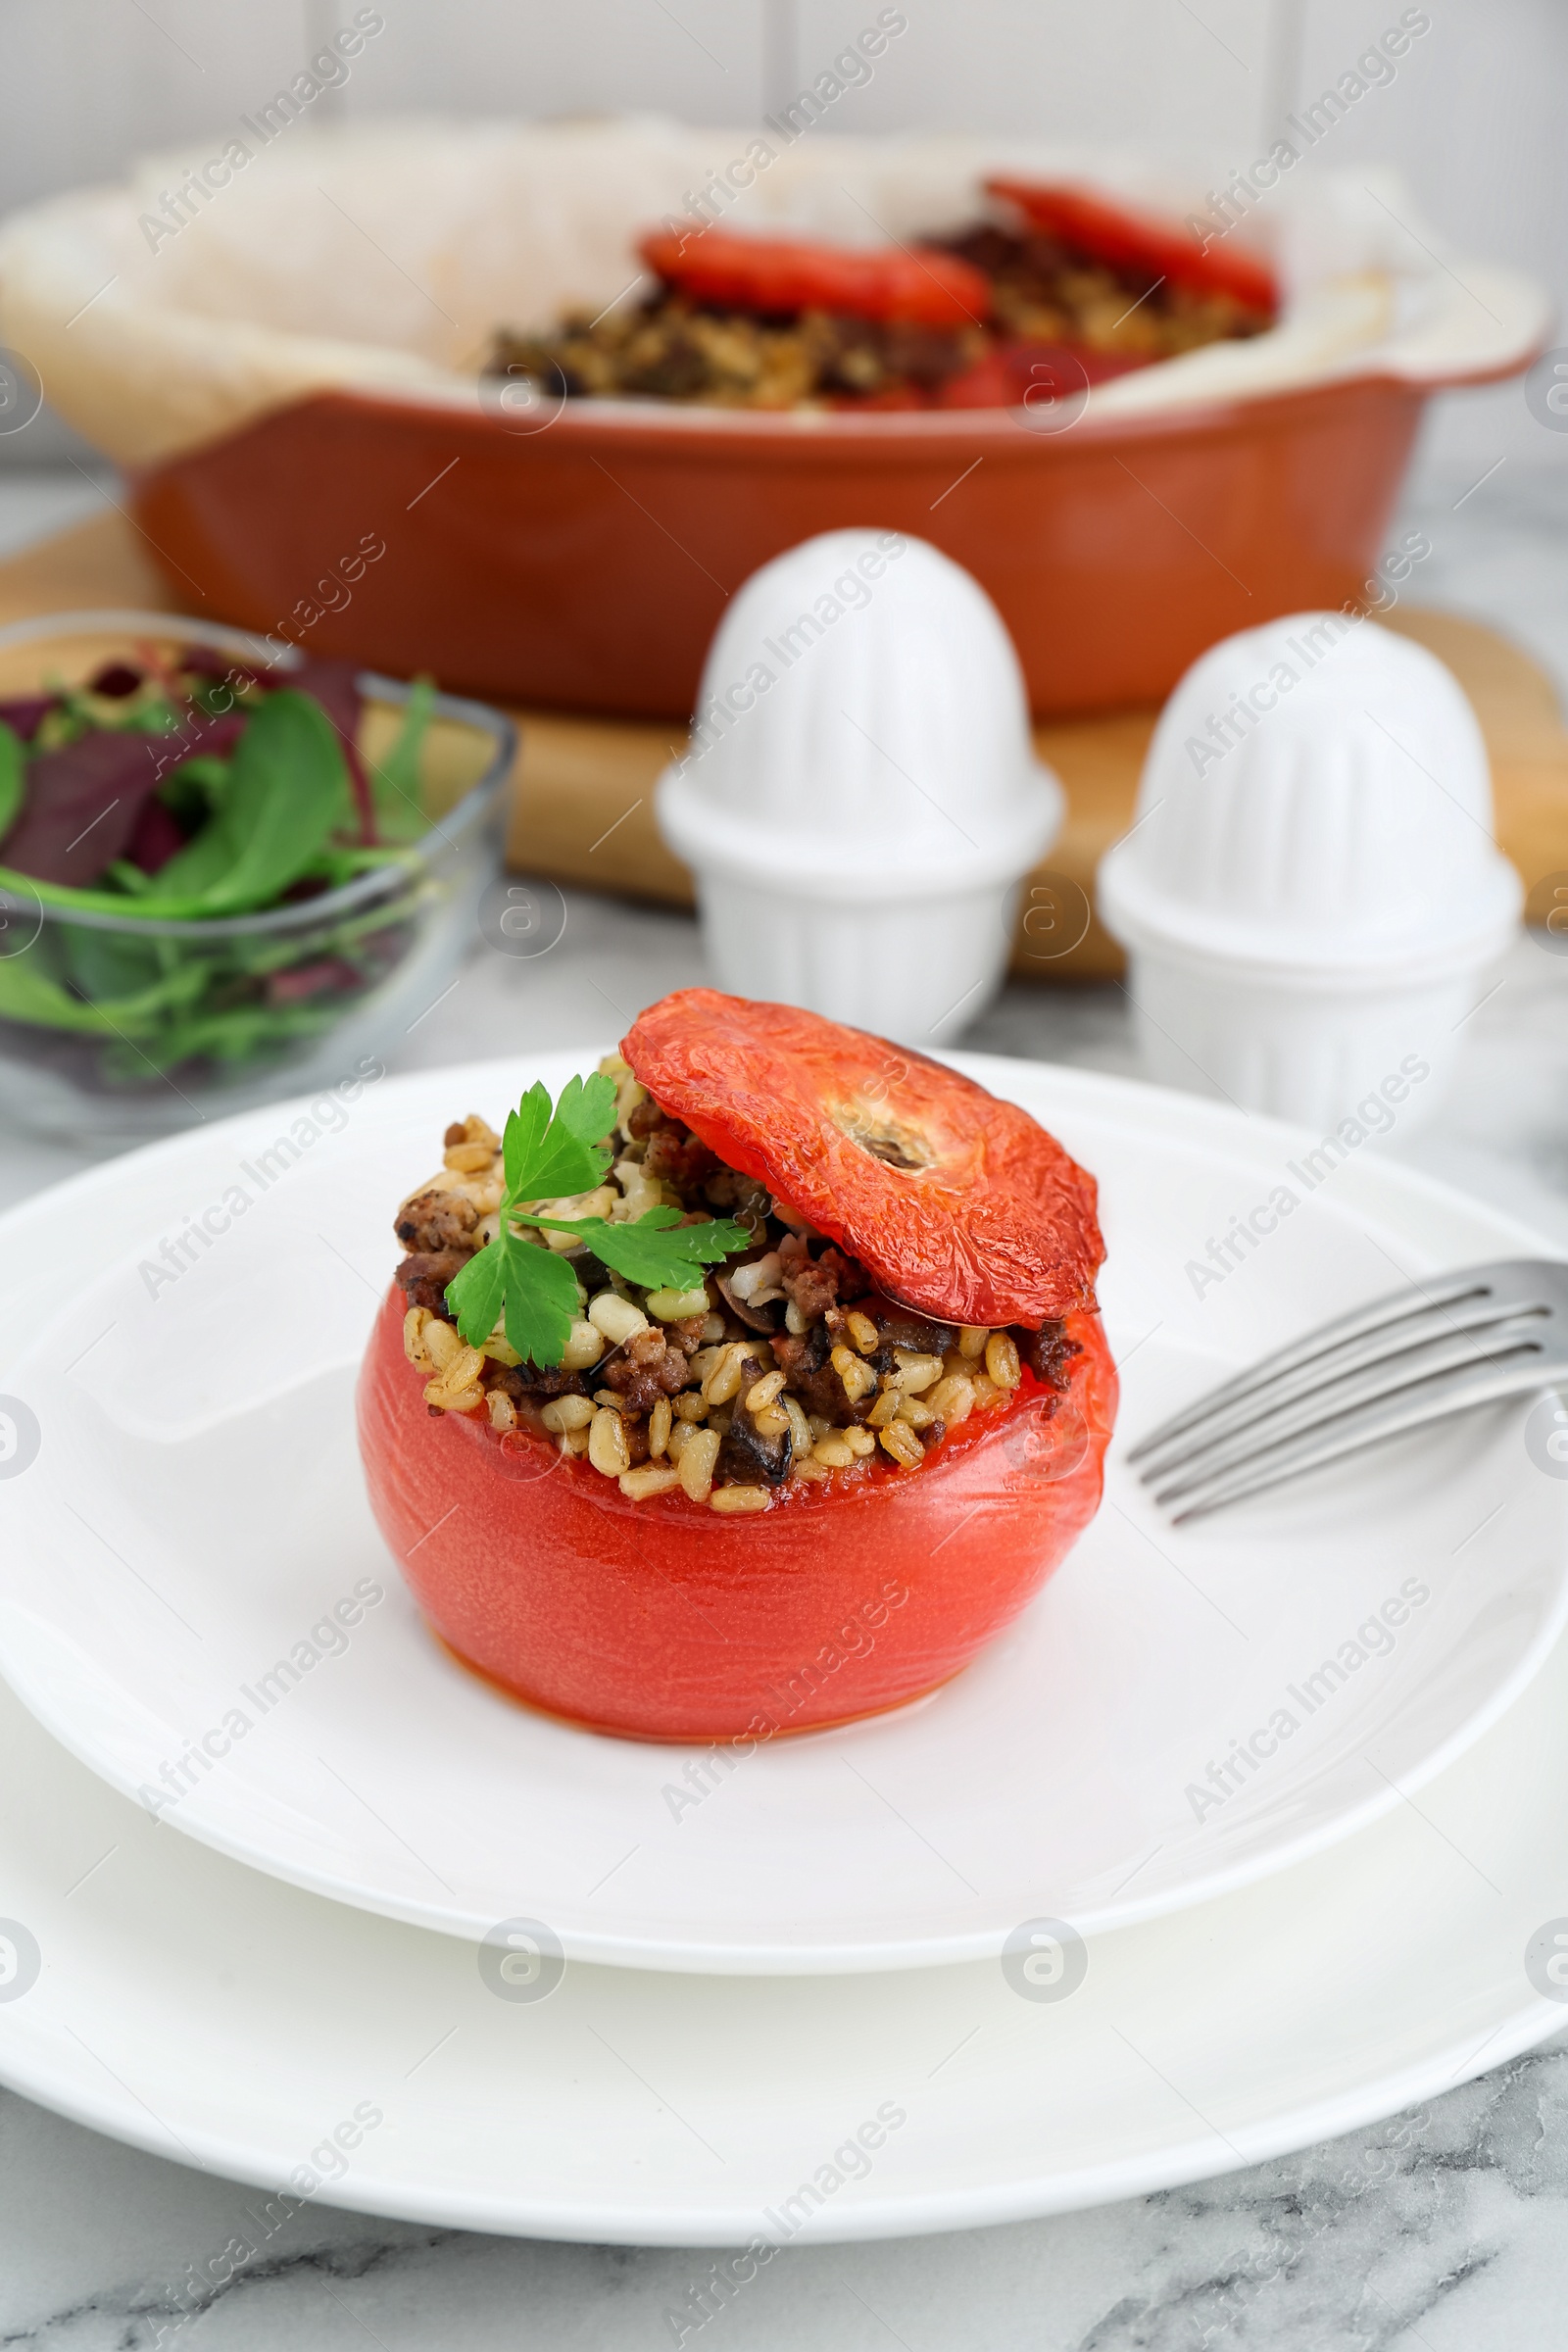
(1450, 2233)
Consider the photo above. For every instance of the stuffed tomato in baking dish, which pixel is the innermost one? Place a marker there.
(1050, 283)
(752, 1386)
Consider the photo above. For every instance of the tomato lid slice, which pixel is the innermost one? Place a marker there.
(917, 286)
(1126, 239)
(955, 1202)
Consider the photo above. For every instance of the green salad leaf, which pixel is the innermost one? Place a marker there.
(551, 1155)
(395, 780)
(13, 777)
(274, 810)
(285, 792)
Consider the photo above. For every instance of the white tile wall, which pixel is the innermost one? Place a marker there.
(1187, 78)
(85, 84)
(1474, 120)
(1472, 117)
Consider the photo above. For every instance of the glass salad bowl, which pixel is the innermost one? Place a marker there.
(122, 1018)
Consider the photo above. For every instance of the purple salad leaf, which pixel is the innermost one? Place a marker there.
(26, 716)
(84, 801)
(154, 837)
(82, 805)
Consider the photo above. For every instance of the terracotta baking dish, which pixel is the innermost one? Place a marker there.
(585, 566)
(294, 384)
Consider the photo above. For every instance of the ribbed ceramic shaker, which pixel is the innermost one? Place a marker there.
(1311, 892)
(860, 798)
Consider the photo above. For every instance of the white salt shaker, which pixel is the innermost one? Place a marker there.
(1311, 892)
(861, 797)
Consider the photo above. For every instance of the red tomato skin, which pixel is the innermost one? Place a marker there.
(1124, 239)
(662, 1620)
(1014, 375)
(777, 276)
(997, 1227)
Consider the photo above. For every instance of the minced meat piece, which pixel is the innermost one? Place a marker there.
(806, 1366)
(437, 1220)
(425, 1274)
(645, 1370)
(1048, 1354)
(674, 1156)
(812, 1284)
(742, 1196)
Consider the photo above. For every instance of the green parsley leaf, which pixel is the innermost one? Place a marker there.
(535, 1290)
(549, 1157)
(587, 1108)
(525, 1133)
(553, 1154)
(647, 1252)
(541, 1302)
(475, 1295)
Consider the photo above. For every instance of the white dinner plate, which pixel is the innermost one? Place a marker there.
(183, 2003)
(1180, 1712)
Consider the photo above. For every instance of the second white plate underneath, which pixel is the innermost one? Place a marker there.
(199, 2009)
(1180, 1712)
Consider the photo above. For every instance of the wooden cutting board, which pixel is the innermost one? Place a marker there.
(582, 796)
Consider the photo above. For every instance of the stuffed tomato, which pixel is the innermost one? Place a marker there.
(752, 1387)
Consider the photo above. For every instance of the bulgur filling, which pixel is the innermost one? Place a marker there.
(1044, 292)
(782, 1368)
(671, 347)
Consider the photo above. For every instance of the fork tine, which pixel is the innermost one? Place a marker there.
(1411, 1409)
(1322, 1407)
(1393, 1308)
(1444, 1292)
(1392, 1342)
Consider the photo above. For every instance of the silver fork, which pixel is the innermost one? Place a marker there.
(1437, 1348)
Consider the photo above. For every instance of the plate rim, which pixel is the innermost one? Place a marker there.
(1136, 1103)
(265, 2156)
(924, 2214)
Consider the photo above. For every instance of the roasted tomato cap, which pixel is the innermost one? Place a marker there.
(1127, 239)
(777, 276)
(955, 1202)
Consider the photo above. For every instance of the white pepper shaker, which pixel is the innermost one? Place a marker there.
(860, 798)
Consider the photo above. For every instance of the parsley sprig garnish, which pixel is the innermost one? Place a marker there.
(551, 1155)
